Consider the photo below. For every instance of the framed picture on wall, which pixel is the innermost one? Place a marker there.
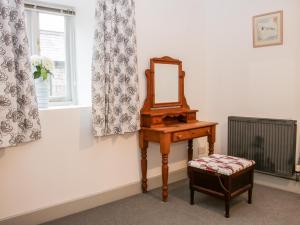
(268, 29)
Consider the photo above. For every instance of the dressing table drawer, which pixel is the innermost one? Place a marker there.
(190, 134)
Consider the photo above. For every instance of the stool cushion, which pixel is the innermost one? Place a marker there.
(222, 164)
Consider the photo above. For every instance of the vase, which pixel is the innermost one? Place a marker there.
(42, 92)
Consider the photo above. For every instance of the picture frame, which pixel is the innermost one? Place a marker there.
(268, 29)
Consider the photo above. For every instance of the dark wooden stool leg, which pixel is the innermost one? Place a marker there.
(251, 182)
(250, 196)
(192, 194)
(227, 208)
(228, 197)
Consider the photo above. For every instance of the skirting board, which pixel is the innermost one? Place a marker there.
(69, 208)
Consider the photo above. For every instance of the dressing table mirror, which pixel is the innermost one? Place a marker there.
(165, 103)
(167, 118)
(166, 84)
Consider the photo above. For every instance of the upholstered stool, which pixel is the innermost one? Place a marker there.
(221, 176)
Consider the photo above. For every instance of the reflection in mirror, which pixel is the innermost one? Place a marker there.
(166, 83)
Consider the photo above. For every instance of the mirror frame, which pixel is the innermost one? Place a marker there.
(150, 73)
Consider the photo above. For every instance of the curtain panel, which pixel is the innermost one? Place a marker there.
(115, 96)
(19, 115)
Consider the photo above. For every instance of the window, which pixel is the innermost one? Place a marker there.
(51, 34)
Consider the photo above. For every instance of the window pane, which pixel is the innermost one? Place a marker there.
(58, 82)
(52, 22)
(52, 45)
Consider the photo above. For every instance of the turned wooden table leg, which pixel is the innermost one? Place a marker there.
(165, 174)
(165, 142)
(143, 146)
(144, 169)
(190, 150)
(211, 148)
(211, 140)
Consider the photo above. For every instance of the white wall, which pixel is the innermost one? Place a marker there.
(246, 81)
(68, 163)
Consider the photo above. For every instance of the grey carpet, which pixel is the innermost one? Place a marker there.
(270, 207)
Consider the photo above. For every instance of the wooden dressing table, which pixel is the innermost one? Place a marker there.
(169, 119)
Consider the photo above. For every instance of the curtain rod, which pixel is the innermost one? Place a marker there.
(37, 6)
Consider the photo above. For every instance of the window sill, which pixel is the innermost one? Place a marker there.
(50, 108)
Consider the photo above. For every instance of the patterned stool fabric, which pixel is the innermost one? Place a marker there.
(222, 164)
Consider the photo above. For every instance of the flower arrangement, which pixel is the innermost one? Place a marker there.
(42, 66)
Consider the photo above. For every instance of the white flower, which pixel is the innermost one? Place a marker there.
(36, 60)
(48, 64)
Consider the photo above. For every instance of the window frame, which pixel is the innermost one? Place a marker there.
(33, 31)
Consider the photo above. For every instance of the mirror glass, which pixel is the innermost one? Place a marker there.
(166, 80)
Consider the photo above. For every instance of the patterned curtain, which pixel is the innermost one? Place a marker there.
(19, 116)
(115, 94)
